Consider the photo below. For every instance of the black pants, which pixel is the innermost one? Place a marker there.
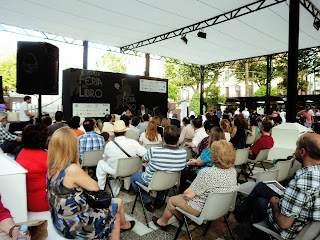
(186, 174)
(12, 147)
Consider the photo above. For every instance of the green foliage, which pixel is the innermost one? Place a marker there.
(173, 92)
(257, 73)
(195, 103)
(111, 62)
(213, 96)
(8, 71)
(261, 92)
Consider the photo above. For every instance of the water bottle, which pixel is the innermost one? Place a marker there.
(23, 233)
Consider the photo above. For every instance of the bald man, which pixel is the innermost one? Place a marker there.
(300, 203)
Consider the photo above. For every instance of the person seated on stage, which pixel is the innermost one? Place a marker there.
(265, 142)
(143, 110)
(208, 125)
(9, 143)
(300, 203)
(7, 224)
(151, 135)
(168, 158)
(203, 160)
(58, 124)
(34, 159)
(187, 131)
(144, 124)
(72, 216)
(74, 124)
(222, 178)
(199, 134)
(90, 140)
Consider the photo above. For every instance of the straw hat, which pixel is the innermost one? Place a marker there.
(119, 126)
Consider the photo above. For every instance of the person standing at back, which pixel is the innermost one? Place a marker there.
(24, 112)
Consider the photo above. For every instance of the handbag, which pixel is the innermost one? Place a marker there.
(98, 199)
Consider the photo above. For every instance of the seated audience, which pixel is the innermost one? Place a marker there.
(108, 125)
(265, 142)
(222, 177)
(34, 159)
(130, 133)
(71, 215)
(199, 134)
(168, 158)
(90, 140)
(99, 127)
(58, 124)
(144, 124)
(202, 161)
(7, 224)
(238, 135)
(300, 204)
(165, 122)
(112, 153)
(134, 123)
(254, 129)
(175, 121)
(47, 121)
(187, 131)
(156, 119)
(9, 143)
(74, 124)
(151, 135)
(225, 125)
(208, 125)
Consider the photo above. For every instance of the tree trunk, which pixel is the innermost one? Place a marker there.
(246, 69)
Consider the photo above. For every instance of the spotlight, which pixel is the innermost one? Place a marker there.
(202, 34)
(184, 39)
(316, 24)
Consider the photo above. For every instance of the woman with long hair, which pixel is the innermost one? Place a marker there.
(156, 119)
(151, 135)
(71, 215)
(225, 125)
(165, 122)
(254, 129)
(203, 161)
(238, 135)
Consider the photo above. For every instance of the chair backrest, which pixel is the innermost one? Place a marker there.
(128, 166)
(184, 141)
(250, 139)
(241, 156)
(284, 168)
(147, 146)
(162, 180)
(132, 135)
(91, 158)
(296, 166)
(262, 155)
(217, 205)
(310, 231)
(189, 152)
(257, 137)
(268, 175)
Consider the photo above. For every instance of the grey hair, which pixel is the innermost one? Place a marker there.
(3, 115)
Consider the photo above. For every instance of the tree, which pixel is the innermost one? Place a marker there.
(8, 71)
(213, 96)
(261, 92)
(257, 73)
(112, 62)
(173, 92)
(195, 103)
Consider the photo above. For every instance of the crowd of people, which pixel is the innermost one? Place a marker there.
(52, 154)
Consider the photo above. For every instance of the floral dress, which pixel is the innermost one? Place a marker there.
(71, 215)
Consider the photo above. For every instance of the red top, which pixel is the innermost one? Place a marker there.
(35, 161)
(265, 142)
(4, 213)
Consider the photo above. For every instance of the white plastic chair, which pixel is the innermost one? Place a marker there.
(189, 152)
(246, 188)
(160, 181)
(309, 232)
(216, 206)
(242, 158)
(262, 156)
(125, 168)
(284, 168)
(250, 139)
(91, 158)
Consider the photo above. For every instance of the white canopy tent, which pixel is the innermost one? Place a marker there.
(121, 23)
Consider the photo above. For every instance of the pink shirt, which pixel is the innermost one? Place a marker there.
(307, 115)
(186, 133)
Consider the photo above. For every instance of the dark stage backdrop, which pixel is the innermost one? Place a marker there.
(121, 91)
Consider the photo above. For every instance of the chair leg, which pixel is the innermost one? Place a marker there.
(207, 228)
(251, 169)
(187, 227)
(108, 180)
(226, 219)
(179, 230)
(243, 172)
(165, 196)
(135, 201)
(144, 210)
(263, 166)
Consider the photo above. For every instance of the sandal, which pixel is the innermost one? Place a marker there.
(132, 224)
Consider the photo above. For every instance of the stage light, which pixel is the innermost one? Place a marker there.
(316, 24)
(184, 39)
(202, 34)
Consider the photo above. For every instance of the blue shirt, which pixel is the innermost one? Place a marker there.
(205, 157)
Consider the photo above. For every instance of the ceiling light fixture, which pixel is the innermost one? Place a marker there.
(202, 34)
(184, 39)
(316, 24)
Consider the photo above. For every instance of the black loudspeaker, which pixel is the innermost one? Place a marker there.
(37, 68)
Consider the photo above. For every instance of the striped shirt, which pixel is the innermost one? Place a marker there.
(167, 158)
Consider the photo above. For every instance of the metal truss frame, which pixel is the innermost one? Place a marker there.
(238, 12)
(311, 8)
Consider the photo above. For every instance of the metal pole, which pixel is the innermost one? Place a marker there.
(292, 92)
(85, 54)
(147, 72)
(246, 70)
(201, 88)
(269, 58)
(39, 108)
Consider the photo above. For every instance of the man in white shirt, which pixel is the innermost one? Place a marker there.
(107, 125)
(236, 112)
(245, 113)
(112, 153)
(199, 134)
(24, 112)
